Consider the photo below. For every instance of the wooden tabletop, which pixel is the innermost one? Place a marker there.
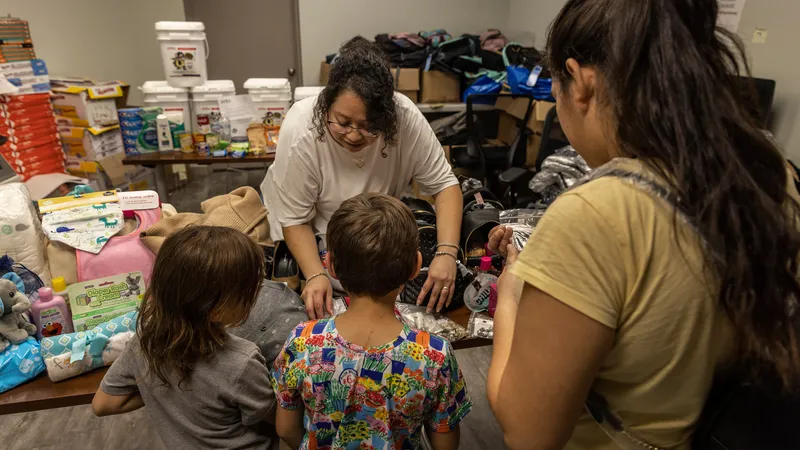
(42, 393)
(161, 158)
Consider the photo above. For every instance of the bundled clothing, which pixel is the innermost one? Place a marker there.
(559, 172)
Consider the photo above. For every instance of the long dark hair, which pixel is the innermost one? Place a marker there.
(204, 280)
(669, 78)
(362, 68)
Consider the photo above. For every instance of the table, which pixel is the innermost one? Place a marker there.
(165, 158)
(42, 393)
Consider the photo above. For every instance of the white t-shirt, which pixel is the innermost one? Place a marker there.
(310, 179)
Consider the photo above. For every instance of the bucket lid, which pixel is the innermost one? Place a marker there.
(307, 91)
(215, 86)
(161, 87)
(268, 83)
(180, 26)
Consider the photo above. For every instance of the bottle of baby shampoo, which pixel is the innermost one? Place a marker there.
(50, 315)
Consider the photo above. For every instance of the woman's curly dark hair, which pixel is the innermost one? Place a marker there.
(362, 68)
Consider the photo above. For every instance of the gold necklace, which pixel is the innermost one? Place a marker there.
(359, 162)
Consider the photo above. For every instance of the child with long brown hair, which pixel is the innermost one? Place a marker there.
(203, 387)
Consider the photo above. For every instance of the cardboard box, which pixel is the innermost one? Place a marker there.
(107, 173)
(512, 111)
(121, 101)
(91, 143)
(97, 301)
(94, 104)
(406, 80)
(439, 87)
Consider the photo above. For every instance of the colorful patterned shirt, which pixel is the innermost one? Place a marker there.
(373, 398)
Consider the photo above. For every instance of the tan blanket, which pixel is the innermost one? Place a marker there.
(242, 210)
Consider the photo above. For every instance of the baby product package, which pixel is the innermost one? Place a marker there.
(96, 301)
(72, 354)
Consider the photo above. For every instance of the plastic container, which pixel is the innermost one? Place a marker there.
(304, 92)
(478, 293)
(171, 99)
(184, 51)
(50, 315)
(271, 99)
(60, 289)
(205, 103)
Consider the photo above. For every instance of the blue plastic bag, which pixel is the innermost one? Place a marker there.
(521, 82)
(483, 85)
(20, 363)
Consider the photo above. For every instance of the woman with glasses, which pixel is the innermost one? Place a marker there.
(357, 136)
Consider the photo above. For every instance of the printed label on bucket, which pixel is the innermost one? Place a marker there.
(271, 117)
(184, 61)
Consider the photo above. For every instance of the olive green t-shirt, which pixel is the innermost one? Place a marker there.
(608, 249)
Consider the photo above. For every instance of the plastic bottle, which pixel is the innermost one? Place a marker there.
(476, 295)
(50, 315)
(60, 290)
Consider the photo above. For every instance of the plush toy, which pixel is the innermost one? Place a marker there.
(14, 328)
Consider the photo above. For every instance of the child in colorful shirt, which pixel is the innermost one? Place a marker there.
(365, 380)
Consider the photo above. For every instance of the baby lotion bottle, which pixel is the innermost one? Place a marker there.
(50, 315)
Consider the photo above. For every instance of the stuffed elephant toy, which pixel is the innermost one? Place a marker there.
(14, 328)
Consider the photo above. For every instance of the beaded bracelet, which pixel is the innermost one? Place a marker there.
(445, 253)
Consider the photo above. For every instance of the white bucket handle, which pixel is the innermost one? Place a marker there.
(208, 49)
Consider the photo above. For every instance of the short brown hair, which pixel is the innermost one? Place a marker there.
(373, 242)
(201, 274)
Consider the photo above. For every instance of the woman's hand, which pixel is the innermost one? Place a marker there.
(318, 296)
(440, 283)
(499, 239)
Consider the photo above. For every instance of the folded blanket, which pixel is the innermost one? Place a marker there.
(68, 355)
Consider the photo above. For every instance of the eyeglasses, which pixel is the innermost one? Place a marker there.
(338, 128)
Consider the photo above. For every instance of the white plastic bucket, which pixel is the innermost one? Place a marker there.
(304, 92)
(205, 102)
(184, 50)
(271, 98)
(171, 99)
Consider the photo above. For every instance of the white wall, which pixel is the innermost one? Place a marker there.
(777, 59)
(325, 24)
(100, 39)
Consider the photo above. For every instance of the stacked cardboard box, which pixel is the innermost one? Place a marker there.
(29, 76)
(88, 125)
(33, 146)
(15, 40)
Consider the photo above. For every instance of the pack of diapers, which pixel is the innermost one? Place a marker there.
(21, 235)
(20, 363)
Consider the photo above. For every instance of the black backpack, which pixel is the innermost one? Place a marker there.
(737, 415)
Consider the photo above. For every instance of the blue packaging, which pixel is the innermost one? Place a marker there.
(131, 124)
(20, 363)
(129, 113)
(128, 133)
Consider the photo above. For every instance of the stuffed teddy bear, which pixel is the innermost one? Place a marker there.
(14, 328)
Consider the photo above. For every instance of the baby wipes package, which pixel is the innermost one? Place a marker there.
(96, 301)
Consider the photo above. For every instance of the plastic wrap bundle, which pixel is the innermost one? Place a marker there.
(559, 172)
(481, 325)
(418, 317)
(522, 222)
(468, 184)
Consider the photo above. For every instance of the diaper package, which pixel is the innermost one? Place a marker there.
(72, 354)
(20, 363)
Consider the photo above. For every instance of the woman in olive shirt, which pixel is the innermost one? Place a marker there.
(623, 293)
